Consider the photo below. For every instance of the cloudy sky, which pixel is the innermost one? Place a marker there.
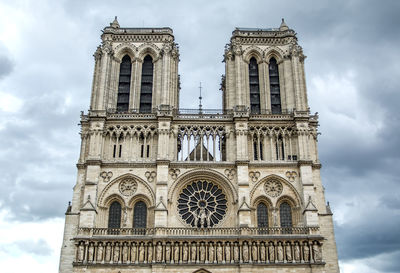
(352, 69)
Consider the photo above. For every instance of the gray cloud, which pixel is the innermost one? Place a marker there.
(39, 247)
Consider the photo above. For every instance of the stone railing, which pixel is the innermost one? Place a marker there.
(205, 232)
(139, 251)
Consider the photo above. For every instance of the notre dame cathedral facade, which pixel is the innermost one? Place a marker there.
(164, 189)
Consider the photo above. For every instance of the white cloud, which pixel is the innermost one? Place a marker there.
(10, 103)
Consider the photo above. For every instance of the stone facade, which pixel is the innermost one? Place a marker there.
(175, 190)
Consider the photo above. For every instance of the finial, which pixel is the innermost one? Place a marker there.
(115, 23)
(283, 26)
(200, 98)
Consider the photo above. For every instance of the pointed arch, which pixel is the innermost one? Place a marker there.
(253, 51)
(254, 86)
(124, 84)
(140, 215)
(148, 49)
(114, 215)
(274, 86)
(125, 49)
(146, 88)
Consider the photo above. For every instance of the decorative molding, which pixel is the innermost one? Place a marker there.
(230, 173)
(291, 175)
(128, 186)
(254, 176)
(174, 173)
(150, 176)
(273, 188)
(106, 176)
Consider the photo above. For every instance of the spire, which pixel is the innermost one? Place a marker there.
(115, 23)
(200, 98)
(283, 26)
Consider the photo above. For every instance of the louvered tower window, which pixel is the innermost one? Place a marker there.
(124, 84)
(140, 215)
(285, 213)
(262, 215)
(147, 85)
(114, 215)
(254, 87)
(274, 87)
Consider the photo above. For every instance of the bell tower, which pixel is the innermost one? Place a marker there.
(164, 189)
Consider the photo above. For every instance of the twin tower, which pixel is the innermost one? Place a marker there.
(162, 189)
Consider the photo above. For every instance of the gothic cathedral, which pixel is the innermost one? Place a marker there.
(164, 189)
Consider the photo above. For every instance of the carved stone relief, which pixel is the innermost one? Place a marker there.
(150, 176)
(128, 186)
(230, 173)
(273, 188)
(291, 175)
(254, 176)
(106, 176)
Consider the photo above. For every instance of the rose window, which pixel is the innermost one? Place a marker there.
(202, 204)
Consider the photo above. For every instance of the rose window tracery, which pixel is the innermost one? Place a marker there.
(273, 188)
(128, 186)
(202, 204)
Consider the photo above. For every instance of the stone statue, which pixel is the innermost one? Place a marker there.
(317, 253)
(100, 252)
(297, 252)
(202, 216)
(150, 253)
(168, 253)
(271, 252)
(306, 250)
(141, 253)
(159, 252)
(124, 253)
(91, 252)
(125, 216)
(227, 252)
(196, 219)
(209, 220)
(211, 253)
(236, 252)
(176, 253)
(81, 252)
(245, 253)
(193, 252)
(202, 252)
(108, 252)
(254, 253)
(219, 253)
(262, 252)
(280, 252)
(133, 253)
(116, 253)
(185, 253)
(288, 250)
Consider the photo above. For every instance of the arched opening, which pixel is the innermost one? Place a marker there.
(262, 215)
(114, 215)
(254, 86)
(124, 84)
(146, 89)
(274, 87)
(285, 213)
(140, 215)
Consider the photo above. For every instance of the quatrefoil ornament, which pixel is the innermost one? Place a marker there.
(106, 176)
(150, 176)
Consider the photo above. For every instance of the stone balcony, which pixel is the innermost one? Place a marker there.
(165, 245)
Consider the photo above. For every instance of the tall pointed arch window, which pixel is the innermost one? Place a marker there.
(262, 215)
(274, 87)
(146, 89)
(140, 215)
(285, 213)
(114, 215)
(124, 84)
(254, 86)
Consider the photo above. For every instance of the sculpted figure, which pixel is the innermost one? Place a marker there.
(150, 253)
(288, 250)
(317, 253)
(202, 216)
(211, 253)
(245, 253)
(81, 252)
(280, 252)
(306, 250)
(196, 219)
(99, 257)
(116, 253)
(108, 252)
(209, 220)
(168, 253)
(236, 252)
(271, 252)
(262, 252)
(254, 253)
(159, 252)
(297, 252)
(185, 252)
(91, 252)
(193, 252)
(124, 253)
(133, 253)
(219, 253)
(228, 252)
(202, 252)
(176, 253)
(141, 253)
